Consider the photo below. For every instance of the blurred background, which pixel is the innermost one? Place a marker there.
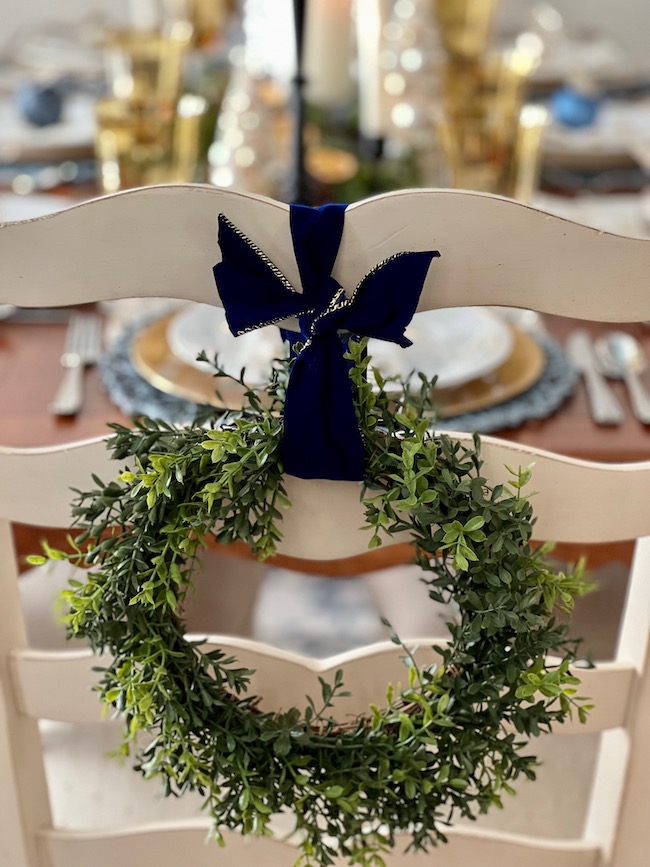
(514, 97)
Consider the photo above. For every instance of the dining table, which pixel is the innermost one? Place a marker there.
(30, 371)
(30, 348)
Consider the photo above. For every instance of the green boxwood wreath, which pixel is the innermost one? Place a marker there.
(448, 745)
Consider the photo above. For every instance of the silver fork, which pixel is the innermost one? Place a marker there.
(82, 348)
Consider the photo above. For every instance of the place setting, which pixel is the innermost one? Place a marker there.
(613, 138)
(49, 81)
(493, 370)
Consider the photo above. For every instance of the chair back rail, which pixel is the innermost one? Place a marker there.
(162, 242)
(57, 685)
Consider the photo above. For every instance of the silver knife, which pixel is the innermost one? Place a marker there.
(605, 408)
(82, 348)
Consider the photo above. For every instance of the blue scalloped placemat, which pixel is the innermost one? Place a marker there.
(135, 396)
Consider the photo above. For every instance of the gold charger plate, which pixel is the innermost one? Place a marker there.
(155, 362)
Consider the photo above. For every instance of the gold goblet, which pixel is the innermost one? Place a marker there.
(481, 126)
(133, 143)
(465, 26)
(146, 65)
(208, 19)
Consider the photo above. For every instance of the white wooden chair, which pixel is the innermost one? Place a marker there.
(161, 241)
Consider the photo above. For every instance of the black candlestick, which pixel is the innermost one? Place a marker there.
(299, 193)
(371, 148)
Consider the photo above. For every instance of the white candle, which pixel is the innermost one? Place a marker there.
(144, 14)
(328, 52)
(371, 16)
(270, 43)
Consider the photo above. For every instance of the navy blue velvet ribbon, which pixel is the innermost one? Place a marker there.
(321, 434)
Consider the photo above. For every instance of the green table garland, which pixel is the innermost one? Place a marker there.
(447, 746)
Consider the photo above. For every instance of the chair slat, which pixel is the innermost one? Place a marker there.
(161, 845)
(156, 845)
(324, 522)
(37, 482)
(58, 685)
(494, 251)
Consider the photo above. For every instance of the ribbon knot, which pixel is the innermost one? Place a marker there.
(321, 434)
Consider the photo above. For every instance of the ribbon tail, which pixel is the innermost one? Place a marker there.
(253, 291)
(386, 299)
(321, 437)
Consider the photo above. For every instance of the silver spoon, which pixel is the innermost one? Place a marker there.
(621, 356)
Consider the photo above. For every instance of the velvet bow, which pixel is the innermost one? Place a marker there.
(321, 433)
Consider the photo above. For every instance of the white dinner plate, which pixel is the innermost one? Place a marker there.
(203, 327)
(457, 344)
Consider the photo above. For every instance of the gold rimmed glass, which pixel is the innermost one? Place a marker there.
(138, 143)
(147, 66)
(489, 138)
(208, 19)
(133, 143)
(465, 26)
